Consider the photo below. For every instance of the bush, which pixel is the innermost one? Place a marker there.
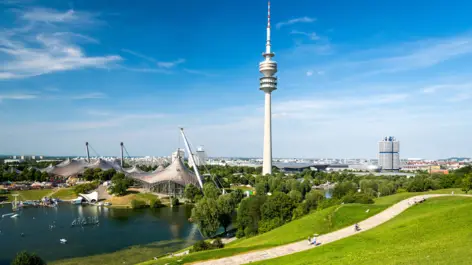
(200, 246)
(136, 204)
(175, 201)
(267, 225)
(203, 245)
(155, 203)
(239, 233)
(24, 258)
(357, 198)
(217, 243)
(300, 211)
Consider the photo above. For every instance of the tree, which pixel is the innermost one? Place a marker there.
(226, 208)
(261, 188)
(191, 191)
(25, 258)
(120, 184)
(249, 215)
(467, 182)
(237, 196)
(278, 205)
(343, 188)
(313, 199)
(205, 215)
(211, 191)
(296, 196)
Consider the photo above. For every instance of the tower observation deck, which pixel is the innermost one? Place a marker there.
(268, 83)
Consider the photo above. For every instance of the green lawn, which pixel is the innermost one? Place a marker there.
(130, 255)
(435, 232)
(26, 195)
(64, 194)
(320, 222)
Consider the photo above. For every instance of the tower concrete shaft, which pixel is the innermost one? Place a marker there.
(268, 83)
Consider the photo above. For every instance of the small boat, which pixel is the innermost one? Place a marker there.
(7, 214)
(15, 215)
(63, 240)
(77, 201)
(107, 204)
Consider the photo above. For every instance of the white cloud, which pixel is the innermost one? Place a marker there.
(311, 35)
(26, 53)
(295, 21)
(140, 55)
(309, 73)
(170, 64)
(48, 15)
(17, 96)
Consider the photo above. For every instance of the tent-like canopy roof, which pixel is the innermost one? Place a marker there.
(175, 172)
(74, 167)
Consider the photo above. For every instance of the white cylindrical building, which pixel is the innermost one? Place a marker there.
(389, 154)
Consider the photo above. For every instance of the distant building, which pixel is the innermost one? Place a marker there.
(200, 156)
(179, 153)
(389, 154)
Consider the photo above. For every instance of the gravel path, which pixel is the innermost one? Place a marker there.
(288, 249)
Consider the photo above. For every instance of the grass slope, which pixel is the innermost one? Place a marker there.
(64, 194)
(320, 222)
(25, 195)
(435, 232)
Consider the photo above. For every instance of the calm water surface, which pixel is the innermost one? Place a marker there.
(118, 229)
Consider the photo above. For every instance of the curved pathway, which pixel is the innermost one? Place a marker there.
(303, 245)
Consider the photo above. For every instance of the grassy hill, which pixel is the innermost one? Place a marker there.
(435, 232)
(320, 222)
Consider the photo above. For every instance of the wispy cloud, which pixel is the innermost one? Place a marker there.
(92, 95)
(311, 35)
(295, 21)
(48, 15)
(26, 53)
(198, 72)
(170, 64)
(140, 55)
(17, 96)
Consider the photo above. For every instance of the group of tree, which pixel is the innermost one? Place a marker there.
(215, 210)
(28, 174)
(120, 184)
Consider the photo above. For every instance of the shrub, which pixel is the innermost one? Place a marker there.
(155, 203)
(267, 225)
(239, 233)
(25, 258)
(175, 201)
(136, 204)
(300, 211)
(217, 243)
(357, 198)
(200, 246)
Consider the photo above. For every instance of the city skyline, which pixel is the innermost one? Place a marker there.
(78, 72)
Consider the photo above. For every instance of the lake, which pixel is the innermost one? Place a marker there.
(118, 229)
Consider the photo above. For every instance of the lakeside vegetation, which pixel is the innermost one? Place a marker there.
(434, 232)
(131, 255)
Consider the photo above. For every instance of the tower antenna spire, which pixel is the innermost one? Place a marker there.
(268, 28)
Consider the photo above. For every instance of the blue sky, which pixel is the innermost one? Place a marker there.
(350, 72)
